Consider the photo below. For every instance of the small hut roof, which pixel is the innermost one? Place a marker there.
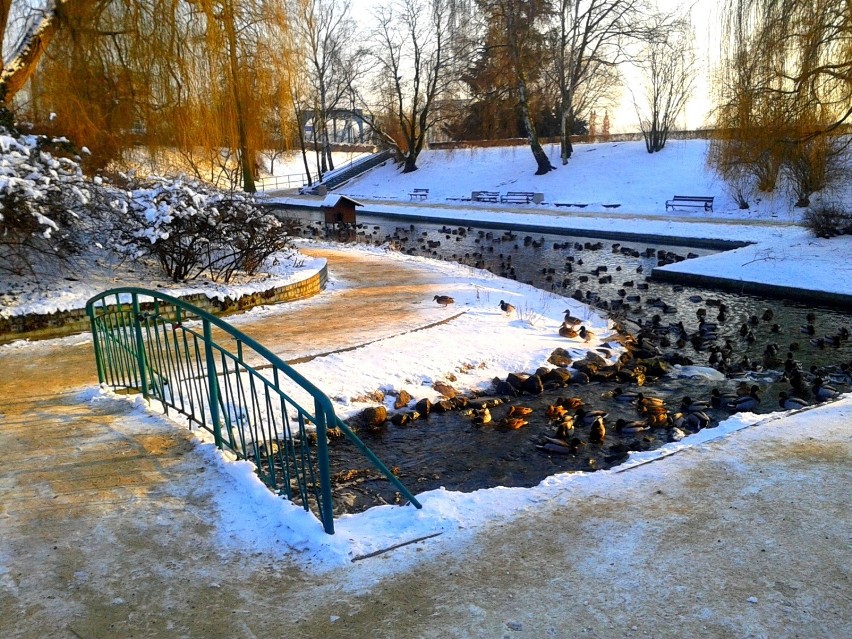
(333, 199)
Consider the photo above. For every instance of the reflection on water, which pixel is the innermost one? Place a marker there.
(449, 450)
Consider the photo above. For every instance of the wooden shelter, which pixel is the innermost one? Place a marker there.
(339, 210)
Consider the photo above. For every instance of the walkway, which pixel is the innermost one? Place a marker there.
(741, 538)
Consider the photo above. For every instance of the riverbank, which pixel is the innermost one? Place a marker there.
(778, 258)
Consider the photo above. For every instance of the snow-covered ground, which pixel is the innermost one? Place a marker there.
(783, 252)
(251, 518)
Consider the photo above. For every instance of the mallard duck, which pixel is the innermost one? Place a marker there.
(570, 320)
(519, 411)
(628, 428)
(507, 308)
(565, 427)
(788, 402)
(689, 405)
(567, 331)
(585, 334)
(514, 423)
(587, 418)
(482, 416)
(719, 399)
(598, 431)
(571, 403)
(746, 403)
(620, 395)
(692, 421)
(444, 300)
(822, 390)
(555, 411)
(657, 417)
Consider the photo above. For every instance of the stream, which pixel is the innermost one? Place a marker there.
(753, 334)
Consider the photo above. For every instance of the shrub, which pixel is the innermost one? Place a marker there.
(828, 220)
(39, 193)
(192, 228)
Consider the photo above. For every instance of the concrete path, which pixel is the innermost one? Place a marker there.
(106, 529)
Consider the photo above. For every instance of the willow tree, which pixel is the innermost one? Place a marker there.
(193, 76)
(796, 58)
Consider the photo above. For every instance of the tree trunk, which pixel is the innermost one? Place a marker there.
(541, 159)
(410, 163)
(566, 148)
(246, 157)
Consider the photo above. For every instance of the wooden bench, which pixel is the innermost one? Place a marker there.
(518, 197)
(697, 201)
(419, 194)
(486, 196)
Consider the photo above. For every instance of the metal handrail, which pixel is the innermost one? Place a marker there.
(165, 348)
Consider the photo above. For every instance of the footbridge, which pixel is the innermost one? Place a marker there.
(255, 406)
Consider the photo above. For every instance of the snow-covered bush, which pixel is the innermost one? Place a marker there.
(828, 220)
(40, 195)
(192, 229)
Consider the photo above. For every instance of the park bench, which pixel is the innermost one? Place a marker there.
(486, 196)
(698, 201)
(419, 194)
(518, 197)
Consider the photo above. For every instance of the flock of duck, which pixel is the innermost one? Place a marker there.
(723, 341)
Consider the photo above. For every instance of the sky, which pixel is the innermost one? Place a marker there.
(705, 15)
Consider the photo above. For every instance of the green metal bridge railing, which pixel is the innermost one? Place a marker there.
(174, 352)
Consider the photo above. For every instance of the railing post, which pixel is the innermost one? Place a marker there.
(99, 362)
(140, 346)
(327, 506)
(212, 384)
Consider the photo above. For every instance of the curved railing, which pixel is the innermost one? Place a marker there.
(256, 406)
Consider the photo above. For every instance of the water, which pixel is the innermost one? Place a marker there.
(449, 450)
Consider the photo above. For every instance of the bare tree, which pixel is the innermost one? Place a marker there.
(327, 35)
(590, 40)
(414, 70)
(670, 71)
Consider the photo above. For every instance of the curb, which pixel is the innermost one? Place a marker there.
(73, 321)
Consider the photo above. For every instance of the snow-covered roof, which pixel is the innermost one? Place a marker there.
(333, 199)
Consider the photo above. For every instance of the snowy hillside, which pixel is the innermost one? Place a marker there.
(599, 174)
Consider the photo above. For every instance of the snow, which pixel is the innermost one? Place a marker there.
(782, 253)
(252, 519)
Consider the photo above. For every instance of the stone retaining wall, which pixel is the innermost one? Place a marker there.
(61, 323)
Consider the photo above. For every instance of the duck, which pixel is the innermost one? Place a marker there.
(646, 401)
(560, 447)
(570, 320)
(572, 403)
(555, 411)
(444, 300)
(629, 428)
(585, 334)
(719, 399)
(507, 308)
(620, 395)
(482, 416)
(567, 331)
(788, 402)
(587, 418)
(822, 390)
(519, 411)
(693, 421)
(514, 423)
(597, 434)
(689, 405)
(746, 402)
(565, 427)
